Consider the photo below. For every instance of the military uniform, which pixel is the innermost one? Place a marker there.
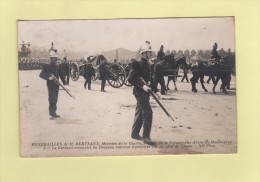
(103, 76)
(53, 88)
(160, 54)
(143, 112)
(66, 70)
(88, 73)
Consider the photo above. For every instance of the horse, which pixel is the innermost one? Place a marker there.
(172, 66)
(222, 69)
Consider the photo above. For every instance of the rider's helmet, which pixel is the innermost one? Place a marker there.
(146, 47)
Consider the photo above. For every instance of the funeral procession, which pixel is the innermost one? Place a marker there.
(151, 97)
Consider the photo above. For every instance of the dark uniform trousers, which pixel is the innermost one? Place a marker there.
(53, 99)
(143, 115)
(103, 75)
(88, 73)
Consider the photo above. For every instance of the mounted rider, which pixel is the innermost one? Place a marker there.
(161, 54)
(215, 57)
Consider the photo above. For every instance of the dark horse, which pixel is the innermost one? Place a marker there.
(172, 68)
(222, 69)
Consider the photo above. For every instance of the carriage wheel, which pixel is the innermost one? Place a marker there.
(74, 72)
(116, 76)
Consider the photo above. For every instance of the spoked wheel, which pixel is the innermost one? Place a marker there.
(116, 75)
(74, 72)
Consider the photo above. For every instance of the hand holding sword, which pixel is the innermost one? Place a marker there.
(148, 89)
(52, 77)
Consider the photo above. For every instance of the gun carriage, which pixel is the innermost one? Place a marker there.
(116, 76)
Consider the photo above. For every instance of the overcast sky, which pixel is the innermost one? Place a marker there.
(94, 36)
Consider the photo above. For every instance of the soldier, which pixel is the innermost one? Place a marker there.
(214, 53)
(143, 113)
(66, 70)
(88, 73)
(47, 73)
(103, 75)
(161, 54)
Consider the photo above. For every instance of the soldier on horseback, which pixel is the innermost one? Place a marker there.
(214, 53)
(160, 54)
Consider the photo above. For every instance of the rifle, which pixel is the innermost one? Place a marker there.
(58, 83)
(155, 98)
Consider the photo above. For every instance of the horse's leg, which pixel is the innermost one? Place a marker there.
(168, 81)
(213, 79)
(224, 79)
(215, 84)
(228, 81)
(202, 83)
(163, 87)
(193, 82)
(174, 81)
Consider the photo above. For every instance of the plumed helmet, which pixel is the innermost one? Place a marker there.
(146, 47)
(53, 54)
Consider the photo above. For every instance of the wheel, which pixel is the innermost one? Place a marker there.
(74, 71)
(116, 75)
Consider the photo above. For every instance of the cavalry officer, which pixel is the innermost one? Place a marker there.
(213, 58)
(66, 69)
(214, 53)
(143, 113)
(48, 71)
(161, 54)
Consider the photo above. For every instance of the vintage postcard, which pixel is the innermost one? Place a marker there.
(116, 87)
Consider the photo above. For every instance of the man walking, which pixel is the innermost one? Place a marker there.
(140, 73)
(88, 73)
(66, 70)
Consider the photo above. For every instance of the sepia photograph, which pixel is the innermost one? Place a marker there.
(127, 87)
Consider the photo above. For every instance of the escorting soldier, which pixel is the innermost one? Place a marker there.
(103, 75)
(50, 72)
(66, 69)
(213, 59)
(161, 54)
(140, 73)
(88, 73)
(214, 53)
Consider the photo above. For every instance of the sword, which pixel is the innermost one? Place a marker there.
(157, 100)
(58, 83)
